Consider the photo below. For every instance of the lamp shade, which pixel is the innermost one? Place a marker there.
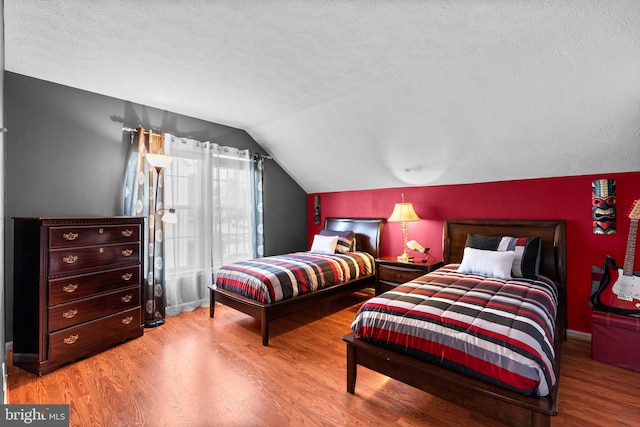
(159, 161)
(170, 216)
(403, 212)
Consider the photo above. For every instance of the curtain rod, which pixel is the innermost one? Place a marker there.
(131, 130)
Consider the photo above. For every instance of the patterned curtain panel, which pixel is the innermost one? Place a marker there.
(258, 217)
(143, 196)
(213, 190)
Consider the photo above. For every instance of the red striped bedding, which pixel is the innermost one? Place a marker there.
(500, 331)
(276, 278)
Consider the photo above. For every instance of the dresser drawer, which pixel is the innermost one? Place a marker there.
(60, 237)
(92, 333)
(398, 274)
(73, 259)
(73, 313)
(74, 287)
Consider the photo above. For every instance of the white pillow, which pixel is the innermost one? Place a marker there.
(488, 263)
(324, 244)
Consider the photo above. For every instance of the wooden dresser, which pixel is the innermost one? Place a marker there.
(77, 288)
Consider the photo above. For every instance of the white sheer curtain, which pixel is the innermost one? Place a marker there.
(211, 189)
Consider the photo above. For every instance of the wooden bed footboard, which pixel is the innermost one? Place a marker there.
(502, 405)
(268, 312)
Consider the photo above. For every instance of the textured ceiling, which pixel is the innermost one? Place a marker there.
(349, 95)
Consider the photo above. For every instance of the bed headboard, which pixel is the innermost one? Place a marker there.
(551, 232)
(368, 232)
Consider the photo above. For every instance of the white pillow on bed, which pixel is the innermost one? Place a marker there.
(324, 244)
(488, 263)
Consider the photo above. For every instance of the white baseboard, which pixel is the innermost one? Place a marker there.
(584, 336)
(5, 397)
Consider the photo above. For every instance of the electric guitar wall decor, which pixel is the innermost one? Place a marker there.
(620, 289)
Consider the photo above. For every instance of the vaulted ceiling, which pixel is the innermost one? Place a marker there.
(354, 94)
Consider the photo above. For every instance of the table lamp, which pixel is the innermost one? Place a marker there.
(403, 212)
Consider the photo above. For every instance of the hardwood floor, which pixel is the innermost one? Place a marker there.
(197, 371)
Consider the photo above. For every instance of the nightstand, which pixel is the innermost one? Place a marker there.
(391, 273)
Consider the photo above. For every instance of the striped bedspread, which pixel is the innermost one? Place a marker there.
(276, 278)
(495, 330)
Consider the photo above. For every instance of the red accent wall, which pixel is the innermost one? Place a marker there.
(567, 198)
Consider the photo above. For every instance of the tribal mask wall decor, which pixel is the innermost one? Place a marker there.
(603, 206)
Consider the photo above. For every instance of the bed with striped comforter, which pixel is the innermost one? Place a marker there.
(500, 331)
(276, 278)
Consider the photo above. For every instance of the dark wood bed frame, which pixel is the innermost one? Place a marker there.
(368, 233)
(505, 406)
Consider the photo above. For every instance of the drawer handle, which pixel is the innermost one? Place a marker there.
(70, 259)
(70, 287)
(126, 233)
(127, 276)
(71, 339)
(127, 320)
(101, 230)
(127, 252)
(126, 298)
(70, 235)
(69, 314)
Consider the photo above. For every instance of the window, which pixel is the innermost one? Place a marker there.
(212, 194)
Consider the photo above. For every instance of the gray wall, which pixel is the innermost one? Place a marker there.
(66, 153)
